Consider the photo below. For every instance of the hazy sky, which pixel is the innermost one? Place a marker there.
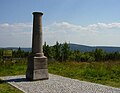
(87, 22)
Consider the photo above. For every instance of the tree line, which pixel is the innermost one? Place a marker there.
(62, 52)
(15, 53)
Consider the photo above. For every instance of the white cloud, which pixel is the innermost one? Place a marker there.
(93, 34)
(20, 34)
(15, 27)
(92, 27)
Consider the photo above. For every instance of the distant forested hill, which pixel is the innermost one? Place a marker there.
(16, 48)
(84, 48)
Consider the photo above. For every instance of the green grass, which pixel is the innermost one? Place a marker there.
(9, 69)
(107, 73)
(6, 88)
(13, 68)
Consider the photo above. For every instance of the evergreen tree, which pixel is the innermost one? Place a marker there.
(116, 55)
(19, 52)
(47, 51)
(57, 49)
(99, 55)
(65, 52)
(77, 55)
(1, 53)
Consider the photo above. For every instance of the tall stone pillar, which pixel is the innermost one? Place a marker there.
(37, 63)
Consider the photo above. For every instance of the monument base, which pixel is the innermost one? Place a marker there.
(37, 68)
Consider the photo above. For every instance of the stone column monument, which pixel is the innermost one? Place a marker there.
(37, 63)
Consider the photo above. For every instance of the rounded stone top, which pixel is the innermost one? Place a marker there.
(37, 13)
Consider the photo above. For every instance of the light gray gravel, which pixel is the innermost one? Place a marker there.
(57, 84)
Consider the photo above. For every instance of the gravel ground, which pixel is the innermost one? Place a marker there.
(57, 84)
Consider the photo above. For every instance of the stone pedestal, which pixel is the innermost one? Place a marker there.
(37, 68)
(37, 63)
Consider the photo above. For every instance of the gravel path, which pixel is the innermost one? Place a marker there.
(57, 84)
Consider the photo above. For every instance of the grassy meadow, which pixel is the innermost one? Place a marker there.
(106, 73)
(9, 69)
(6, 88)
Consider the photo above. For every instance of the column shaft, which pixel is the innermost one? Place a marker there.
(37, 34)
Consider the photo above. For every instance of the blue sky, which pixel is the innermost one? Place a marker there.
(88, 22)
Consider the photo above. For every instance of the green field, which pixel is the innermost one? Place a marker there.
(6, 88)
(8, 69)
(107, 73)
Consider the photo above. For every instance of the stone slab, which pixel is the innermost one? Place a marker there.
(57, 84)
(40, 63)
(40, 74)
(35, 63)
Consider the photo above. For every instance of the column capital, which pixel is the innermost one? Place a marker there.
(37, 13)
